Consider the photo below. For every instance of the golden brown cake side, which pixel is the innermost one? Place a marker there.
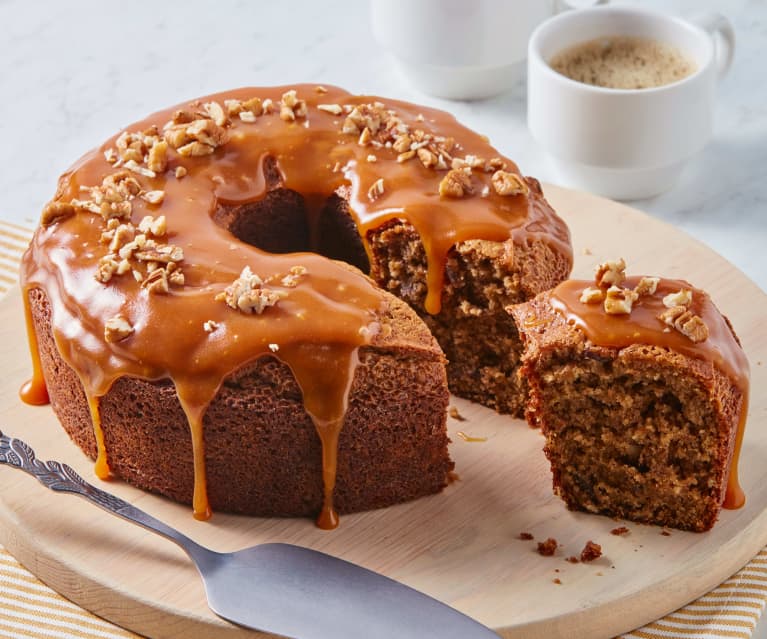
(640, 422)
(263, 454)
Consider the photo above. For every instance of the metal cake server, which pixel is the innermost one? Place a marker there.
(279, 588)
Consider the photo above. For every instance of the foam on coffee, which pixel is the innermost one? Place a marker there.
(623, 62)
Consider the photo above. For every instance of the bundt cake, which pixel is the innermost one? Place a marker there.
(640, 387)
(196, 340)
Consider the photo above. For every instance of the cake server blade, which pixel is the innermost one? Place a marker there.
(279, 588)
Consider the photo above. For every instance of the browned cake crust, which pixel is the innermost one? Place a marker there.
(641, 432)
(263, 455)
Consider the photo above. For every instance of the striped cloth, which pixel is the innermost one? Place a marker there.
(28, 608)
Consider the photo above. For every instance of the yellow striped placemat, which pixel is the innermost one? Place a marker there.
(28, 608)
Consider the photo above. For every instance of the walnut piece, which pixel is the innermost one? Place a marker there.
(376, 190)
(292, 278)
(506, 183)
(610, 273)
(55, 212)
(618, 301)
(688, 324)
(291, 107)
(592, 295)
(456, 183)
(647, 286)
(334, 109)
(117, 328)
(248, 294)
(682, 297)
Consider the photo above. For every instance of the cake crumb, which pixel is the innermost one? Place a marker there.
(665, 533)
(525, 536)
(572, 559)
(619, 531)
(453, 412)
(587, 251)
(453, 476)
(547, 548)
(558, 581)
(591, 551)
(469, 438)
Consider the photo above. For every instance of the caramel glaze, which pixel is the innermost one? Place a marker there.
(642, 326)
(321, 323)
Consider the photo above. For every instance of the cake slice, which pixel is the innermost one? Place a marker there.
(640, 387)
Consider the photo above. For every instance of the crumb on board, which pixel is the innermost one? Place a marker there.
(525, 536)
(547, 548)
(572, 559)
(453, 412)
(665, 533)
(620, 530)
(558, 581)
(591, 551)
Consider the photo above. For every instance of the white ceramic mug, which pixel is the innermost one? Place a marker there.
(625, 143)
(461, 49)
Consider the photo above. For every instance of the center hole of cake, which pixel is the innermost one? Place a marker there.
(285, 221)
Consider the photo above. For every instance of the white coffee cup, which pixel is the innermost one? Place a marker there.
(461, 49)
(625, 143)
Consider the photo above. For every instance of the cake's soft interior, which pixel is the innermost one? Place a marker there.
(479, 338)
(632, 439)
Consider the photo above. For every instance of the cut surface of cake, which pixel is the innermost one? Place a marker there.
(640, 388)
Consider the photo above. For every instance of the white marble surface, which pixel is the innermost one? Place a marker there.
(72, 72)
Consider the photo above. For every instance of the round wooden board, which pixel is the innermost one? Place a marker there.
(461, 546)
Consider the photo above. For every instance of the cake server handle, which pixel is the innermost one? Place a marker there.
(63, 478)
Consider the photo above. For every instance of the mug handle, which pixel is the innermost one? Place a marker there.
(721, 31)
(563, 5)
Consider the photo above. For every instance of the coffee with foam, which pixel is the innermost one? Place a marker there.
(623, 62)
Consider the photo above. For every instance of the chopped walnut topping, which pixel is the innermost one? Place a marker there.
(592, 295)
(195, 149)
(684, 321)
(376, 190)
(157, 160)
(611, 273)
(456, 183)
(274, 347)
(134, 166)
(404, 157)
(110, 155)
(506, 183)
(291, 279)
(156, 282)
(320, 89)
(335, 109)
(117, 328)
(647, 286)
(247, 116)
(428, 158)
(248, 294)
(291, 107)
(153, 197)
(180, 172)
(267, 106)
(365, 137)
(210, 326)
(154, 226)
(372, 158)
(682, 297)
(55, 212)
(216, 113)
(618, 301)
